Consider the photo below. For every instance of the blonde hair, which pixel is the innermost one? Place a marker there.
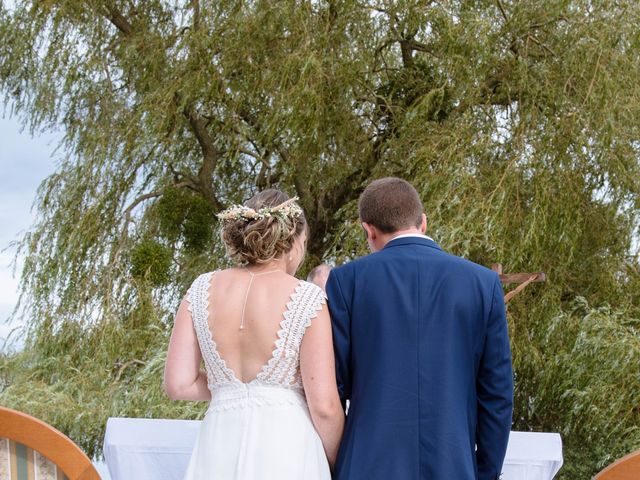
(262, 239)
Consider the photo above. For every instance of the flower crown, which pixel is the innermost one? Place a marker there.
(240, 212)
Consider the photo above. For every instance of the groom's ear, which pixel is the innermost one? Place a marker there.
(423, 225)
(369, 230)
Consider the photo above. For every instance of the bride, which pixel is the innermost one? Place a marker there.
(265, 338)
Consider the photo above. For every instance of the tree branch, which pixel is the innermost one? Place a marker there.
(210, 154)
(138, 201)
(407, 52)
(147, 196)
(119, 20)
(502, 11)
(542, 45)
(420, 47)
(196, 14)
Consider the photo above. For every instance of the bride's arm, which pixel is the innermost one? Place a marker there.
(183, 379)
(317, 366)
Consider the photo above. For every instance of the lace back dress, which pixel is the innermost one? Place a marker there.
(259, 429)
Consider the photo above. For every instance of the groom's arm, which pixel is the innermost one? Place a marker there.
(495, 391)
(341, 321)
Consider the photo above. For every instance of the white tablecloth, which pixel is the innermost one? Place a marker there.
(532, 456)
(144, 449)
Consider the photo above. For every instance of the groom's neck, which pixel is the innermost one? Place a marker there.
(387, 237)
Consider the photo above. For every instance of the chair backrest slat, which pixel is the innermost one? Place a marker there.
(627, 468)
(37, 435)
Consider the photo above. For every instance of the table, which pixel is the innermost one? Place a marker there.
(532, 456)
(147, 449)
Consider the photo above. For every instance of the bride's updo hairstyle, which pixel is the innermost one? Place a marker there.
(262, 229)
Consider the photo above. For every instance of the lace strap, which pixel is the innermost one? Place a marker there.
(218, 372)
(197, 296)
(283, 367)
(194, 296)
(191, 298)
(313, 300)
(301, 310)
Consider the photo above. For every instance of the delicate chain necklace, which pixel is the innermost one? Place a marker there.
(246, 295)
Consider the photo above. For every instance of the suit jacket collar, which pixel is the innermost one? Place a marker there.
(413, 240)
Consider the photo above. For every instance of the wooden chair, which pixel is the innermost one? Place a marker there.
(627, 468)
(30, 448)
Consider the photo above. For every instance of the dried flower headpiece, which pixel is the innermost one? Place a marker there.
(239, 212)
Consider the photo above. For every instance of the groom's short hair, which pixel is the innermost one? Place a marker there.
(390, 204)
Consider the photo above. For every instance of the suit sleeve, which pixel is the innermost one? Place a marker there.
(494, 391)
(341, 322)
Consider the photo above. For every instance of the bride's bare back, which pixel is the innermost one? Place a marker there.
(264, 337)
(245, 313)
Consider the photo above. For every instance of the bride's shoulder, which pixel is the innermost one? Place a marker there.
(313, 290)
(299, 285)
(205, 277)
(220, 273)
(224, 271)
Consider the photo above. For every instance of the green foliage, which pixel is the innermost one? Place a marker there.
(183, 215)
(515, 120)
(151, 261)
(75, 378)
(584, 370)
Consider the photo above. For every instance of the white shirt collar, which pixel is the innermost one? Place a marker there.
(406, 235)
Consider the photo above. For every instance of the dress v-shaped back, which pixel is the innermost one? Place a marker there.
(249, 425)
(282, 368)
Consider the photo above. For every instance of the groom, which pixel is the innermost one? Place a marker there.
(422, 352)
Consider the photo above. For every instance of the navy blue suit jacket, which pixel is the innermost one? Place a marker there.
(422, 354)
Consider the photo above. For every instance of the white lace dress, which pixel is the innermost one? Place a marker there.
(261, 429)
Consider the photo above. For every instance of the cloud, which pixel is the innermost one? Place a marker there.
(25, 161)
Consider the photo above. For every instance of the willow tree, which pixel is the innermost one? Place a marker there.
(517, 121)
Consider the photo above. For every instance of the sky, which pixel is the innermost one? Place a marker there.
(25, 161)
